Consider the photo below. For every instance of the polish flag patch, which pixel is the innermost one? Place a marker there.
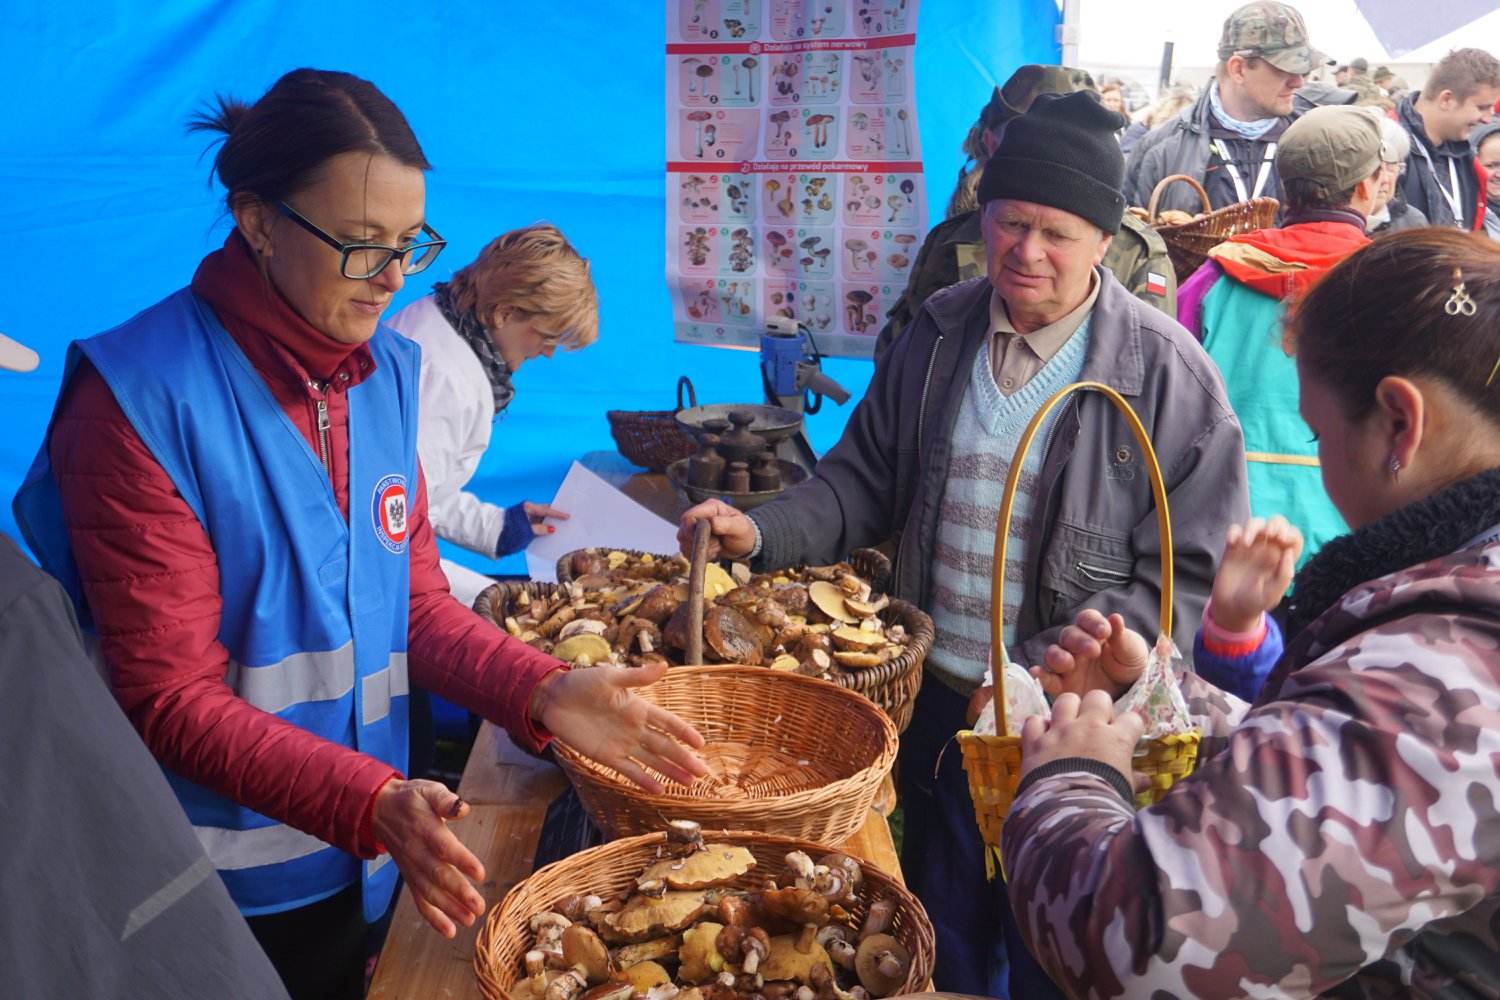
(1156, 284)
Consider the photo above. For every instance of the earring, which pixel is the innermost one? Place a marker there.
(1395, 467)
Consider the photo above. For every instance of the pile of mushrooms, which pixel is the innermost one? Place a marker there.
(688, 933)
(632, 610)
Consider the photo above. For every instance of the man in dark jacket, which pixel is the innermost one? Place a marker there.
(926, 451)
(954, 249)
(109, 893)
(1440, 179)
(1227, 140)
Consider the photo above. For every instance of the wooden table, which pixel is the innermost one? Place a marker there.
(509, 792)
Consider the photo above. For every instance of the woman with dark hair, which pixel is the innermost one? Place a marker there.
(230, 491)
(1345, 838)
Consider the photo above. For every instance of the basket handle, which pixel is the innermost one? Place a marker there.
(683, 382)
(1007, 506)
(1166, 182)
(699, 566)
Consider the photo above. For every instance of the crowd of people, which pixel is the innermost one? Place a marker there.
(237, 501)
(1321, 395)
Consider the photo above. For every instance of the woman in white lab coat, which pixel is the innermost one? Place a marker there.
(528, 293)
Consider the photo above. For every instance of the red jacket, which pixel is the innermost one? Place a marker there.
(151, 580)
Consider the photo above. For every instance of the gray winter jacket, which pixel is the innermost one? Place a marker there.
(1099, 545)
(1180, 146)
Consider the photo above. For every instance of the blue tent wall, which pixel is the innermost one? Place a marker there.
(528, 110)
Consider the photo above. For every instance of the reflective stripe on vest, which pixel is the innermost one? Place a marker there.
(314, 611)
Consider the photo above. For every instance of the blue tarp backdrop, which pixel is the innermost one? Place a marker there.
(527, 110)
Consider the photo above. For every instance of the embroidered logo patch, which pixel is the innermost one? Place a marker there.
(388, 509)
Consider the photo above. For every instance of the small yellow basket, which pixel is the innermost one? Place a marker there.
(993, 763)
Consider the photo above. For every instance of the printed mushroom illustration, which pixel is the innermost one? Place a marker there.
(704, 71)
(859, 121)
(698, 118)
(750, 62)
(779, 119)
(905, 133)
(907, 187)
(710, 136)
(819, 125)
(905, 240)
(858, 299)
(898, 261)
(822, 253)
(777, 241)
(855, 248)
(895, 202)
(691, 64)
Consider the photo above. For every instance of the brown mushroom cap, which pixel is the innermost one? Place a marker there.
(705, 70)
(905, 239)
(775, 238)
(882, 964)
(584, 951)
(856, 245)
(859, 296)
(732, 637)
(829, 599)
(716, 864)
(609, 991)
(647, 952)
(643, 918)
(786, 962)
(699, 953)
(800, 906)
(643, 975)
(699, 116)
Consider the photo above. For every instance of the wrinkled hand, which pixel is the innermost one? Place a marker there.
(537, 514)
(1093, 654)
(1260, 558)
(1081, 727)
(411, 819)
(595, 712)
(733, 535)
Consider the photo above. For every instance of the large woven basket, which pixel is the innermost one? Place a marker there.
(894, 684)
(610, 871)
(653, 439)
(1188, 243)
(787, 754)
(993, 763)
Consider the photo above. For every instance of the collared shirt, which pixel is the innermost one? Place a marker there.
(1016, 357)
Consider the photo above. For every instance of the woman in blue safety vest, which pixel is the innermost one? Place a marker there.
(230, 491)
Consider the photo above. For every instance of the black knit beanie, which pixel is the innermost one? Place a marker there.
(1061, 153)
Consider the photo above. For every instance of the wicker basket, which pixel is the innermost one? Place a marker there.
(1188, 243)
(894, 684)
(611, 870)
(993, 763)
(787, 754)
(653, 439)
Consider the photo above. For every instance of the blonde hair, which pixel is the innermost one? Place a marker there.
(536, 272)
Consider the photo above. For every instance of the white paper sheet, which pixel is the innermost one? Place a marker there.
(601, 516)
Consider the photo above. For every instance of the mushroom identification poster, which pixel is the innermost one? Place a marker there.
(794, 171)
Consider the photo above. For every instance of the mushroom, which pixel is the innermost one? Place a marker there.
(691, 63)
(838, 941)
(819, 125)
(703, 72)
(564, 987)
(642, 977)
(745, 947)
(787, 961)
(610, 991)
(800, 906)
(685, 836)
(905, 134)
(699, 955)
(907, 187)
(536, 971)
(895, 202)
(648, 952)
(749, 62)
(882, 964)
(878, 919)
(585, 954)
(698, 118)
(905, 240)
(855, 248)
(548, 930)
(858, 298)
(733, 639)
(578, 907)
(779, 119)
(717, 864)
(644, 918)
(584, 649)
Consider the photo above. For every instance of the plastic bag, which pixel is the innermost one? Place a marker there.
(1023, 698)
(1157, 693)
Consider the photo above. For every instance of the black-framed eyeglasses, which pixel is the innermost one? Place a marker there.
(365, 260)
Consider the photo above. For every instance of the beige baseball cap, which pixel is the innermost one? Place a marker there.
(1337, 146)
(15, 356)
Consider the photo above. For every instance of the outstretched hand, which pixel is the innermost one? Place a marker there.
(1095, 653)
(411, 819)
(1260, 558)
(595, 712)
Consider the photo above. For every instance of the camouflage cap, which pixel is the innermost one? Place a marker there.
(1025, 84)
(1273, 31)
(1337, 146)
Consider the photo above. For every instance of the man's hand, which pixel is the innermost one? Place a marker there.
(594, 711)
(733, 536)
(1081, 727)
(1260, 558)
(411, 819)
(1093, 654)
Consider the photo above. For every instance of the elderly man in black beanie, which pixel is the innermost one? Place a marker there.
(926, 452)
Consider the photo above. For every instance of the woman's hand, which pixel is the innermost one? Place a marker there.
(537, 514)
(733, 536)
(1093, 654)
(411, 819)
(594, 711)
(1081, 727)
(1260, 558)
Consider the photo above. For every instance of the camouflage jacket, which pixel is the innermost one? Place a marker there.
(954, 252)
(1345, 841)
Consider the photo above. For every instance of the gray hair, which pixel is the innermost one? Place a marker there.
(1395, 144)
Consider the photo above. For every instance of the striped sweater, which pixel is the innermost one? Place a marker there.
(988, 430)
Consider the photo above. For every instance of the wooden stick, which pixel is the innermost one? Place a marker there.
(701, 532)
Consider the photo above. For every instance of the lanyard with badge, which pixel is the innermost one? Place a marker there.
(1453, 197)
(1234, 172)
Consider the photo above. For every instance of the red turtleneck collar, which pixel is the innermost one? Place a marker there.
(267, 328)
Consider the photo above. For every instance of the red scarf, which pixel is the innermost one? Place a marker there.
(252, 310)
(1286, 263)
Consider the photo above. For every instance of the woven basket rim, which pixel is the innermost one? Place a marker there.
(916, 926)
